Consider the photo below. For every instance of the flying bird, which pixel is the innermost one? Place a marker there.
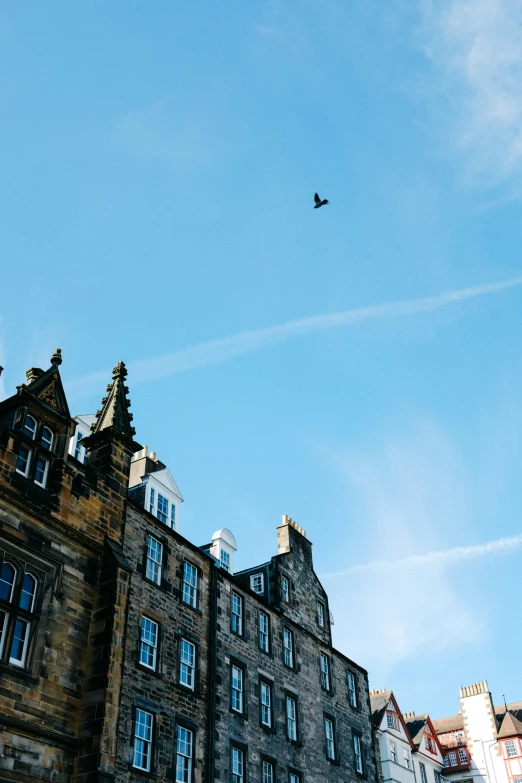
(318, 202)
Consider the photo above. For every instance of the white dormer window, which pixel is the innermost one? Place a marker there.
(224, 560)
(257, 583)
(163, 508)
(173, 515)
(152, 501)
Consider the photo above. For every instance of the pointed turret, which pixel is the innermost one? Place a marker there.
(115, 412)
(511, 727)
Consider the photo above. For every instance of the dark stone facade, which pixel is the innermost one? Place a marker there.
(75, 673)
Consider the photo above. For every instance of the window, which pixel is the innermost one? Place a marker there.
(79, 450)
(291, 718)
(142, 740)
(285, 589)
(266, 704)
(154, 559)
(173, 515)
(393, 752)
(288, 648)
(267, 769)
(190, 584)
(237, 689)
(264, 632)
(163, 508)
(238, 765)
(184, 745)
(325, 673)
(40, 473)
(224, 560)
(7, 580)
(393, 721)
(430, 745)
(23, 460)
(510, 748)
(329, 737)
(438, 777)
(320, 614)
(446, 761)
(47, 438)
(237, 614)
(29, 427)
(463, 756)
(422, 768)
(152, 501)
(148, 642)
(407, 760)
(516, 780)
(187, 663)
(352, 690)
(16, 622)
(357, 752)
(257, 584)
(452, 758)
(294, 778)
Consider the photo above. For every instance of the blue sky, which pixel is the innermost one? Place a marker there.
(157, 170)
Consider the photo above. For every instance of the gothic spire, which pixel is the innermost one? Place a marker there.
(115, 411)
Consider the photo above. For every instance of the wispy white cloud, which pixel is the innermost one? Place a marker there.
(222, 349)
(476, 47)
(453, 555)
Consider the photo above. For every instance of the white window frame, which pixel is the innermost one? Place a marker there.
(77, 448)
(237, 676)
(224, 560)
(257, 583)
(3, 629)
(452, 755)
(12, 584)
(288, 648)
(462, 752)
(325, 672)
(329, 734)
(291, 718)
(407, 759)
(320, 614)
(25, 472)
(160, 513)
(265, 701)
(357, 752)
(352, 689)
(145, 741)
(393, 752)
(264, 631)
(265, 766)
(190, 591)
(184, 760)
(148, 644)
(294, 778)
(237, 765)
(423, 775)
(154, 572)
(187, 663)
(20, 662)
(42, 483)
(45, 441)
(510, 744)
(236, 618)
(285, 588)
(30, 434)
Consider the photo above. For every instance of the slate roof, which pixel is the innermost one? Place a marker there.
(453, 723)
(511, 727)
(416, 727)
(378, 704)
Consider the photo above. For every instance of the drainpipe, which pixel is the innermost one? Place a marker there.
(212, 677)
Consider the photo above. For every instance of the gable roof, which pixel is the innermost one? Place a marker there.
(378, 703)
(164, 477)
(47, 386)
(416, 726)
(511, 727)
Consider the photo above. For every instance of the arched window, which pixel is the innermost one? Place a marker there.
(7, 579)
(47, 438)
(29, 426)
(28, 593)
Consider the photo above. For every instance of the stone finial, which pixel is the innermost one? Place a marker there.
(56, 358)
(33, 373)
(115, 411)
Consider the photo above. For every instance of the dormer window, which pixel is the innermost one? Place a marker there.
(47, 438)
(29, 427)
(163, 509)
(173, 515)
(257, 583)
(41, 470)
(23, 461)
(224, 560)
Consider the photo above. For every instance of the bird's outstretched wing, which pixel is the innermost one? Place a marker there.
(317, 199)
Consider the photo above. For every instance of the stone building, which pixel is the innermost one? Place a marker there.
(128, 653)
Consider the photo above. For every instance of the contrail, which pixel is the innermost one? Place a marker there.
(453, 555)
(221, 349)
